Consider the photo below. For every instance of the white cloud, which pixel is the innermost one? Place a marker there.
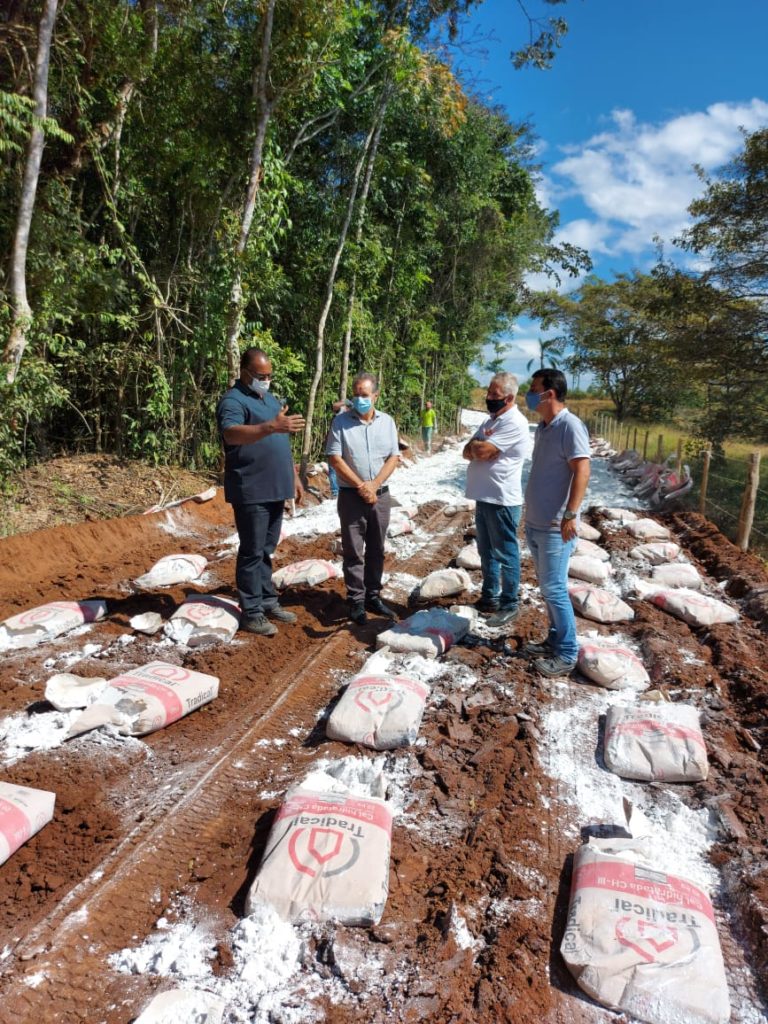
(638, 179)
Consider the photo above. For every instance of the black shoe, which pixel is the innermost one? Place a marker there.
(503, 617)
(357, 613)
(377, 606)
(538, 648)
(259, 625)
(279, 614)
(487, 605)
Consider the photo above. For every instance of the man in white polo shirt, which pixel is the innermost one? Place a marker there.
(496, 454)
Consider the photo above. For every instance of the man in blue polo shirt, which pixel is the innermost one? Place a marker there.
(556, 487)
(259, 477)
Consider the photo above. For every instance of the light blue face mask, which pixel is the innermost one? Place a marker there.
(532, 400)
(361, 404)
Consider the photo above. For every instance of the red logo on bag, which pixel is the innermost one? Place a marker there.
(648, 939)
(369, 702)
(320, 848)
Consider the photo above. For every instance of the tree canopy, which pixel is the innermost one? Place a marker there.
(307, 175)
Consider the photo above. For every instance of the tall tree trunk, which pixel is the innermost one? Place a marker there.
(330, 283)
(358, 236)
(265, 106)
(22, 311)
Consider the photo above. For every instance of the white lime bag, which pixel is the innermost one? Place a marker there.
(146, 699)
(23, 812)
(380, 708)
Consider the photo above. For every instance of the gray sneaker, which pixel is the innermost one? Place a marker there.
(259, 625)
(554, 666)
(502, 617)
(279, 614)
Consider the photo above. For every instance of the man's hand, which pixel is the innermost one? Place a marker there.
(567, 529)
(285, 424)
(299, 491)
(367, 492)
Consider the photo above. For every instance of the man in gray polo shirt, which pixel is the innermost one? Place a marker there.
(556, 487)
(362, 449)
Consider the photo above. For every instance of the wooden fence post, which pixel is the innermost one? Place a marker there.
(634, 439)
(679, 457)
(704, 481)
(645, 445)
(626, 440)
(660, 449)
(747, 513)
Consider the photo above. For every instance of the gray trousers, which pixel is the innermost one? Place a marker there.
(363, 529)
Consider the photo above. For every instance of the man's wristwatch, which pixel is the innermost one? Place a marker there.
(569, 515)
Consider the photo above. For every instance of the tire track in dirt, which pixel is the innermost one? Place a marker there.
(158, 856)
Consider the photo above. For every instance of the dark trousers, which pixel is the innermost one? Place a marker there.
(258, 527)
(363, 529)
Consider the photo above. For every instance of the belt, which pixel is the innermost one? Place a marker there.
(381, 490)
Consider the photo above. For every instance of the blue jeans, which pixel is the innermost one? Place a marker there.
(550, 558)
(499, 552)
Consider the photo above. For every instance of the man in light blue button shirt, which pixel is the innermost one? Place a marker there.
(362, 448)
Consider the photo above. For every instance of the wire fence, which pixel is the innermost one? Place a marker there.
(728, 481)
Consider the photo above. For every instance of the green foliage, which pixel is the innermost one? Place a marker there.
(133, 246)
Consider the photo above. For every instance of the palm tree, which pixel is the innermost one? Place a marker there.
(552, 348)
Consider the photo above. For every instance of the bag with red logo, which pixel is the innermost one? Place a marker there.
(444, 583)
(592, 570)
(615, 668)
(597, 604)
(590, 550)
(311, 571)
(642, 941)
(203, 619)
(379, 708)
(468, 557)
(37, 625)
(327, 859)
(171, 570)
(648, 529)
(695, 609)
(429, 633)
(23, 812)
(657, 552)
(146, 699)
(655, 741)
(677, 574)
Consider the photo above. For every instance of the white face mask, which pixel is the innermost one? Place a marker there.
(261, 387)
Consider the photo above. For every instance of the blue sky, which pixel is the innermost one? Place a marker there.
(638, 93)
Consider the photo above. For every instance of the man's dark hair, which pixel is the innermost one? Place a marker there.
(251, 353)
(552, 380)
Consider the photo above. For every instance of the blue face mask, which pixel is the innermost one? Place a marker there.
(532, 400)
(361, 404)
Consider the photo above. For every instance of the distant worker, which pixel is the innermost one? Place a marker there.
(338, 406)
(362, 448)
(428, 426)
(259, 477)
(556, 488)
(496, 454)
